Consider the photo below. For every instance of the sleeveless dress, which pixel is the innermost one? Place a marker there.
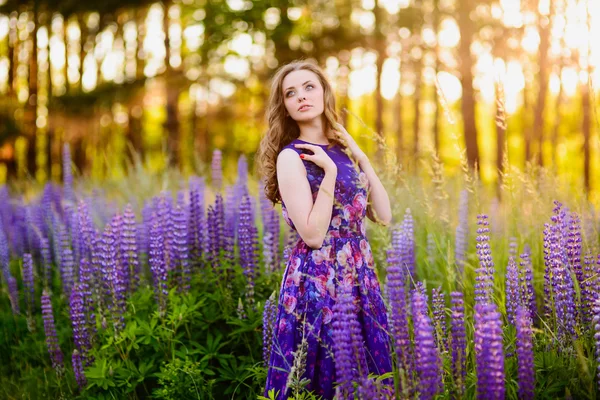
(308, 287)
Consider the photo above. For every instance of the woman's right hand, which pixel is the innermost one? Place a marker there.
(319, 157)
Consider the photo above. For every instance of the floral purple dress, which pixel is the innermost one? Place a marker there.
(310, 281)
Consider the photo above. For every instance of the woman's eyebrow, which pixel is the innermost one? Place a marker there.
(291, 87)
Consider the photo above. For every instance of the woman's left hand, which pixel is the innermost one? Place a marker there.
(357, 153)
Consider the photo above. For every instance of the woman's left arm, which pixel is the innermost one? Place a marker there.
(379, 209)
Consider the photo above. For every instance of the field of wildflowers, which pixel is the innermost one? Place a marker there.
(164, 287)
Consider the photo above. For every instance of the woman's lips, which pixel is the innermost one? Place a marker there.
(304, 107)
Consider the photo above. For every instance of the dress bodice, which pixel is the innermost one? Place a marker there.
(351, 190)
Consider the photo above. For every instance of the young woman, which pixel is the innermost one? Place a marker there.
(326, 185)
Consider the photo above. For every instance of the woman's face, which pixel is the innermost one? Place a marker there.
(303, 95)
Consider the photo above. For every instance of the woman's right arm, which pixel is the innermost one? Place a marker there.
(311, 220)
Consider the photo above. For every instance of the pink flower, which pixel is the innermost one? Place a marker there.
(327, 315)
(294, 274)
(363, 181)
(321, 255)
(336, 221)
(365, 250)
(344, 256)
(282, 325)
(289, 303)
(320, 284)
(359, 202)
(362, 228)
(330, 283)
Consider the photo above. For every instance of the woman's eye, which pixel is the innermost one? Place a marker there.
(288, 93)
(309, 85)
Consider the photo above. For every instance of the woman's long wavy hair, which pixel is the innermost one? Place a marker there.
(283, 129)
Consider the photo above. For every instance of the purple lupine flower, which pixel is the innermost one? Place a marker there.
(588, 294)
(86, 230)
(108, 265)
(56, 355)
(513, 292)
(164, 215)
(4, 254)
(350, 361)
(86, 279)
(219, 210)
(489, 353)
(196, 226)
(19, 230)
(229, 229)
(68, 174)
(78, 369)
(525, 353)
(562, 284)
(458, 343)
(396, 293)
(121, 273)
(439, 316)
(462, 230)
(573, 249)
(428, 364)
(526, 284)
(157, 266)
(79, 320)
(291, 238)
(180, 230)
(144, 229)
(211, 243)
(269, 319)
(271, 232)
(13, 295)
(371, 390)
(548, 294)
(484, 286)
(76, 240)
(217, 170)
(431, 248)
(46, 261)
(248, 247)
(67, 263)
(512, 247)
(596, 324)
(33, 231)
(409, 247)
(129, 249)
(419, 288)
(28, 282)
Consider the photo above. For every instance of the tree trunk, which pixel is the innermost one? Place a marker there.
(12, 55)
(418, 69)
(500, 133)
(140, 15)
(171, 124)
(585, 105)
(66, 43)
(399, 106)
(586, 125)
(525, 120)
(381, 54)
(538, 123)
(466, 27)
(31, 107)
(436, 116)
(82, 42)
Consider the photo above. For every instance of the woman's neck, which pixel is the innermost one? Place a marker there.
(312, 131)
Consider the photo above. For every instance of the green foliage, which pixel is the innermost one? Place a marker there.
(198, 350)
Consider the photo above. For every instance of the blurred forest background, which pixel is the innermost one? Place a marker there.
(179, 78)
